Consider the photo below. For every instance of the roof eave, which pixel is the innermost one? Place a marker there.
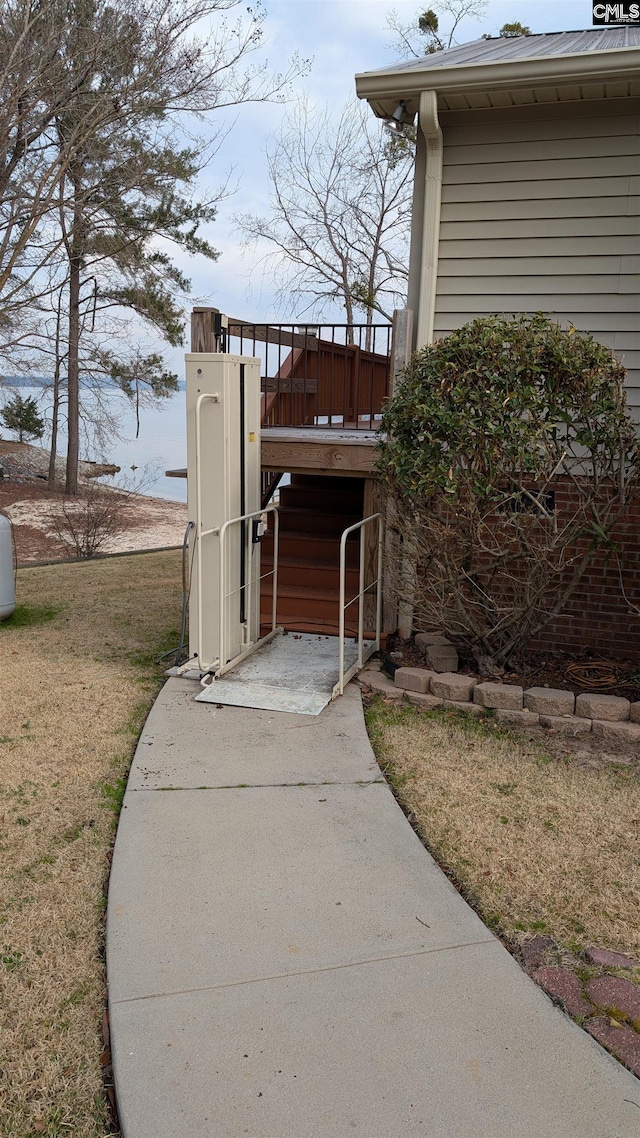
(583, 67)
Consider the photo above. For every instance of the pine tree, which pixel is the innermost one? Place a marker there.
(94, 184)
(21, 415)
(127, 185)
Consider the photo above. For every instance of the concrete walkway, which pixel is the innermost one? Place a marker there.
(285, 960)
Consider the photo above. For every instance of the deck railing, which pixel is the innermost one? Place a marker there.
(320, 375)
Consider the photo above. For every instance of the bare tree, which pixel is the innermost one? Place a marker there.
(339, 224)
(95, 95)
(423, 35)
(84, 525)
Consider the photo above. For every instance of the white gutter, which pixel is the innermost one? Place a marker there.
(583, 67)
(430, 127)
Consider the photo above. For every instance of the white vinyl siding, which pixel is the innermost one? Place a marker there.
(540, 212)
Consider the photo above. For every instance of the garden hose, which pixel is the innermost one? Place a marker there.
(601, 676)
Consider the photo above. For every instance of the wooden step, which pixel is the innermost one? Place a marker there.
(294, 520)
(314, 573)
(313, 512)
(323, 498)
(310, 547)
(300, 606)
(318, 627)
(337, 482)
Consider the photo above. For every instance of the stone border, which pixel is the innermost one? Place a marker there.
(608, 717)
(588, 987)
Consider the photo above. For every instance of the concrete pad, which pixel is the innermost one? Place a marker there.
(453, 1044)
(288, 960)
(225, 886)
(185, 744)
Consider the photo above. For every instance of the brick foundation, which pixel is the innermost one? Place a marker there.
(597, 616)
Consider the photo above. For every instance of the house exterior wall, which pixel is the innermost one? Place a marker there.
(604, 612)
(540, 212)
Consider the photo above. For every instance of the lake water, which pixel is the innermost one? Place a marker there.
(161, 445)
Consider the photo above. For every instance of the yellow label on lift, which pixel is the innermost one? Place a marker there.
(252, 436)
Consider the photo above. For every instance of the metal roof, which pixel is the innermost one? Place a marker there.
(504, 49)
(502, 71)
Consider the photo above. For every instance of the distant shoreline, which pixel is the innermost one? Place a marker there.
(46, 382)
(158, 445)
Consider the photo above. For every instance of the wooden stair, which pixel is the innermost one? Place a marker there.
(314, 512)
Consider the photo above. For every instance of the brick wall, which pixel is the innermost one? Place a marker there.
(597, 616)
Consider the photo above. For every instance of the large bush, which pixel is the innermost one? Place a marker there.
(483, 431)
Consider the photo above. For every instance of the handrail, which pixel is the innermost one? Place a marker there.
(200, 532)
(363, 654)
(223, 664)
(327, 375)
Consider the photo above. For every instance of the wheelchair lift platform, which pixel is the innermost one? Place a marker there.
(225, 585)
(295, 672)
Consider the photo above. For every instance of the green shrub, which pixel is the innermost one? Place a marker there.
(21, 416)
(480, 429)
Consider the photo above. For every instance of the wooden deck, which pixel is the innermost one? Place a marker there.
(324, 451)
(297, 450)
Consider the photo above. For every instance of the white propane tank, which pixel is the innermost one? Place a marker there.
(7, 580)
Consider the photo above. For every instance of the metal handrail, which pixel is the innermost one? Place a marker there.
(224, 665)
(363, 654)
(214, 397)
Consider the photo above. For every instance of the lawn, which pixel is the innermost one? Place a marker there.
(536, 843)
(77, 681)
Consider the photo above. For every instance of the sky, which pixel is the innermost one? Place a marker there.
(343, 38)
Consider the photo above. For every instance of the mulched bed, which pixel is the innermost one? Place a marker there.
(550, 669)
(588, 672)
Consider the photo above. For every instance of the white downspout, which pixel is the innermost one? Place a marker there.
(430, 127)
(417, 227)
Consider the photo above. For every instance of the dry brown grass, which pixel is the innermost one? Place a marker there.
(536, 843)
(77, 680)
